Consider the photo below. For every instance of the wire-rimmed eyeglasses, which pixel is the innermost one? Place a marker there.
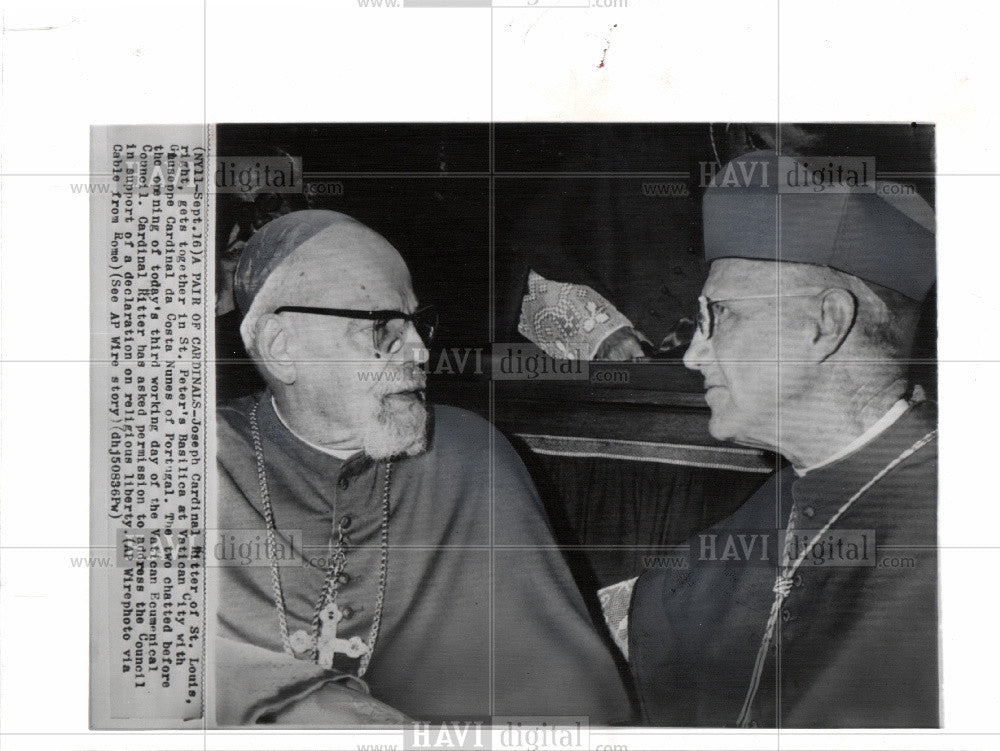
(706, 316)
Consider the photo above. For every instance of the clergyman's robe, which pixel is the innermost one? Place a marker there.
(856, 643)
(481, 615)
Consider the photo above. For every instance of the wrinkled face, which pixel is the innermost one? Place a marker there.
(380, 399)
(756, 361)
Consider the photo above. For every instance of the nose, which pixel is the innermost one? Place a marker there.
(414, 348)
(697, 352)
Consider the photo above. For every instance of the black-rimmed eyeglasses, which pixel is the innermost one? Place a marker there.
(388, 327)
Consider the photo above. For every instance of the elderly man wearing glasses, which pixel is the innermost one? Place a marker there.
(404, 549)
(815, 603)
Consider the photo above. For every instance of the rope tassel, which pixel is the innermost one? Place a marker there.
(783, 584)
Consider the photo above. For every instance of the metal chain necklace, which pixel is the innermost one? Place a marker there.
(323, 643)
(783, 583)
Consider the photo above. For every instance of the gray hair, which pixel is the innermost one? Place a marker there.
(886, 320)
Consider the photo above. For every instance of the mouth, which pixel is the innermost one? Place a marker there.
(712, 388)
(417, 394)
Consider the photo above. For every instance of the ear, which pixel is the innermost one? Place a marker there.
(272, 347)
(838, 311)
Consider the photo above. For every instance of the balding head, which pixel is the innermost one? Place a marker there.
(350, 266)
(324, 370)
(318, 258)
(277, 240)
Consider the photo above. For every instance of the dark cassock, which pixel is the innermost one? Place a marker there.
(837, 625)
(856, 644)
(449, 568)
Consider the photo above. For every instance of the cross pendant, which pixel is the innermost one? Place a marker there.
(329, 643)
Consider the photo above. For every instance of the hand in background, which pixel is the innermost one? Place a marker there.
(622, 344)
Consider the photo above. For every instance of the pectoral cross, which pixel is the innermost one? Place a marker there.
(329, 643)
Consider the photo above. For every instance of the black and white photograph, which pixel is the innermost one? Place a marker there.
(498, 375)
(486, 381)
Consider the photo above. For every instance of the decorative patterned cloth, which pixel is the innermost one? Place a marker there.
(615, 600)
(568, 321)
